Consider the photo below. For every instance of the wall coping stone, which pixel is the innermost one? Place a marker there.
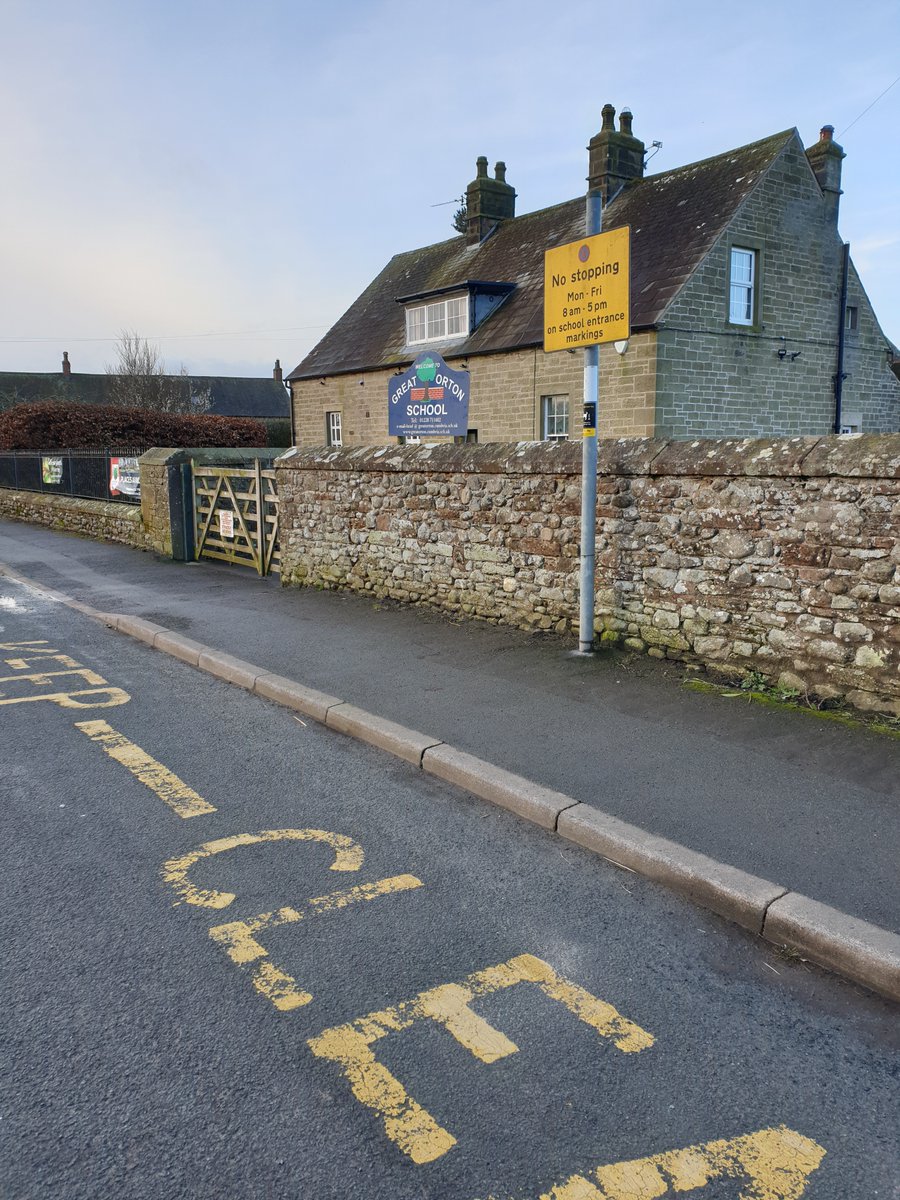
(206, 455)
(773, 457)
(78, 504)
(859, 456)
(875, 456)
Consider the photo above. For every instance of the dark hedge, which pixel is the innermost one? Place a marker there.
(90, 427)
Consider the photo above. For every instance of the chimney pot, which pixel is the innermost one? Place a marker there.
(826, 133)
(276, 373)
(489, 202)
(66, 368)
(616, 157)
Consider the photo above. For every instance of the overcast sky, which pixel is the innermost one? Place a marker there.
(226, 178)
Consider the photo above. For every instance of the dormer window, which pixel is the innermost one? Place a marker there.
(437, 320)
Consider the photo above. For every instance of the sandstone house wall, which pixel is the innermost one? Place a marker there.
(777, 555)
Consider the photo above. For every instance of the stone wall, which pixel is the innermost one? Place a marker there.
(106, 520)
(778, 556)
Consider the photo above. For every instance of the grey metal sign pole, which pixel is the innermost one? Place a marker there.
(593, 224)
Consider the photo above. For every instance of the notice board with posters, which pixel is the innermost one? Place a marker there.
(124, 477)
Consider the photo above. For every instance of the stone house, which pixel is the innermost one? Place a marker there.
(743, 304)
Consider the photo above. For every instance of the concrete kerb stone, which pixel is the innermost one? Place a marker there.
(853, 948)
(396, 739)
(185, 649)
(294, 695)
(137, 627)
(231, 669)
(726, 890)
(533, 801)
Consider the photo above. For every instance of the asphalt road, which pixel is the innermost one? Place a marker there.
(601, 1020)
(807, 803)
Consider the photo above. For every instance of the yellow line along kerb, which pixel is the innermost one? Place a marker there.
(172, 790)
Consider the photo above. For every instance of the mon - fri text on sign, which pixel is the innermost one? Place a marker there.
(586, 291)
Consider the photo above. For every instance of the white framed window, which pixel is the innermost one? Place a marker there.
(851, 322)
(742, 286)
(554, 418)
(437, 320)
(333, 429)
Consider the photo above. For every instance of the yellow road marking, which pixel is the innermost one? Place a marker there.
(348, 856)
(406, 1123)
(41, 651)
(41, 678)
(114, 697)
(239, 940)
(21, 664)
(777, 1164)
(172, 790)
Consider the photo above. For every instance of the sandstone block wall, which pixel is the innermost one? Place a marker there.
(106, 520)
(778, 556)
(505, 395)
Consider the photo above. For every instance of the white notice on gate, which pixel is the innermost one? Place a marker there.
(226, 523)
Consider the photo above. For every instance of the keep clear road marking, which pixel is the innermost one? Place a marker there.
(406, 1123)
(172, 790)
(238, 937)
(41, 652)
(777, 1163)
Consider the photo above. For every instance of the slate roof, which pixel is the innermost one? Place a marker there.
(230, 396)
(675, 218)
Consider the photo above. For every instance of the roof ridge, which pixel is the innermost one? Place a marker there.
(778, 138)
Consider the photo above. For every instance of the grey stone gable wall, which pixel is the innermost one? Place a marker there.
(871, 388)
(715, 379)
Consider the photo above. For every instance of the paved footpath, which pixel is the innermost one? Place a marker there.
(807, 803)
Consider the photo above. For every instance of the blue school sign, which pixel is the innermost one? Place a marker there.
(428, 400)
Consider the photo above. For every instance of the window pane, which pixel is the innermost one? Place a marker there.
(741, 286)
(437, 320)
(457, 316)
(556, 418)
(415, 324)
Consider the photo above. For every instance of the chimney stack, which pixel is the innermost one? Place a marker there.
(614, 158)
(488, 201)
(276, 373)
(66, 368)
(825, 158)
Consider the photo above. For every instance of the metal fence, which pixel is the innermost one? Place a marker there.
(90, 474)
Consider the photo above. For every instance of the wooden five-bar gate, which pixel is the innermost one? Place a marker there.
(236, 516)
